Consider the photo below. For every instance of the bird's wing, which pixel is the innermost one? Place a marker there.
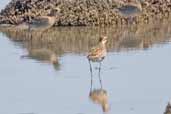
(94, 51)
(39, 20)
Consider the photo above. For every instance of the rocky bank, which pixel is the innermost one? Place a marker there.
(82, 12)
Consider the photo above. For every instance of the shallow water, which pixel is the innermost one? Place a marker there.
(135, 73)
(3, 3)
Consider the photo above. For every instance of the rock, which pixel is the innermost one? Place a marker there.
(82, 12)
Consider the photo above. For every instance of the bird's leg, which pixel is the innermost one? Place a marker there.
(100, 75)
(91, 72)
(41, 35)
(30, 34)
(31, 37)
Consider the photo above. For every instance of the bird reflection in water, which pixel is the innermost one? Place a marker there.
(97, 54)
(43, 55)
(99, 96)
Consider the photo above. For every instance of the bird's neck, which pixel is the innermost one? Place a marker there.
(103, 45)
(51, 19)
(137, 4)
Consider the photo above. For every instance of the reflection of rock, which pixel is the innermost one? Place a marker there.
(22, 26)
(43, 55)
(5, 26)
(80, 39)
(100, 97)
(168, 109)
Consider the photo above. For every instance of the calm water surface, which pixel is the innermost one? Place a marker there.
(135, 73)
(3, 3)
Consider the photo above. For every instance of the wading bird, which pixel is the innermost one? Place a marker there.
(97, 54)
(130, 10)
(39, 23)
(42, 23)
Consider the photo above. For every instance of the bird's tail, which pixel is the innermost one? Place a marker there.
(24, 57)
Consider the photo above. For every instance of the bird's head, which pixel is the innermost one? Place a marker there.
(136, 3)
(103, 39)
(54, 12)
